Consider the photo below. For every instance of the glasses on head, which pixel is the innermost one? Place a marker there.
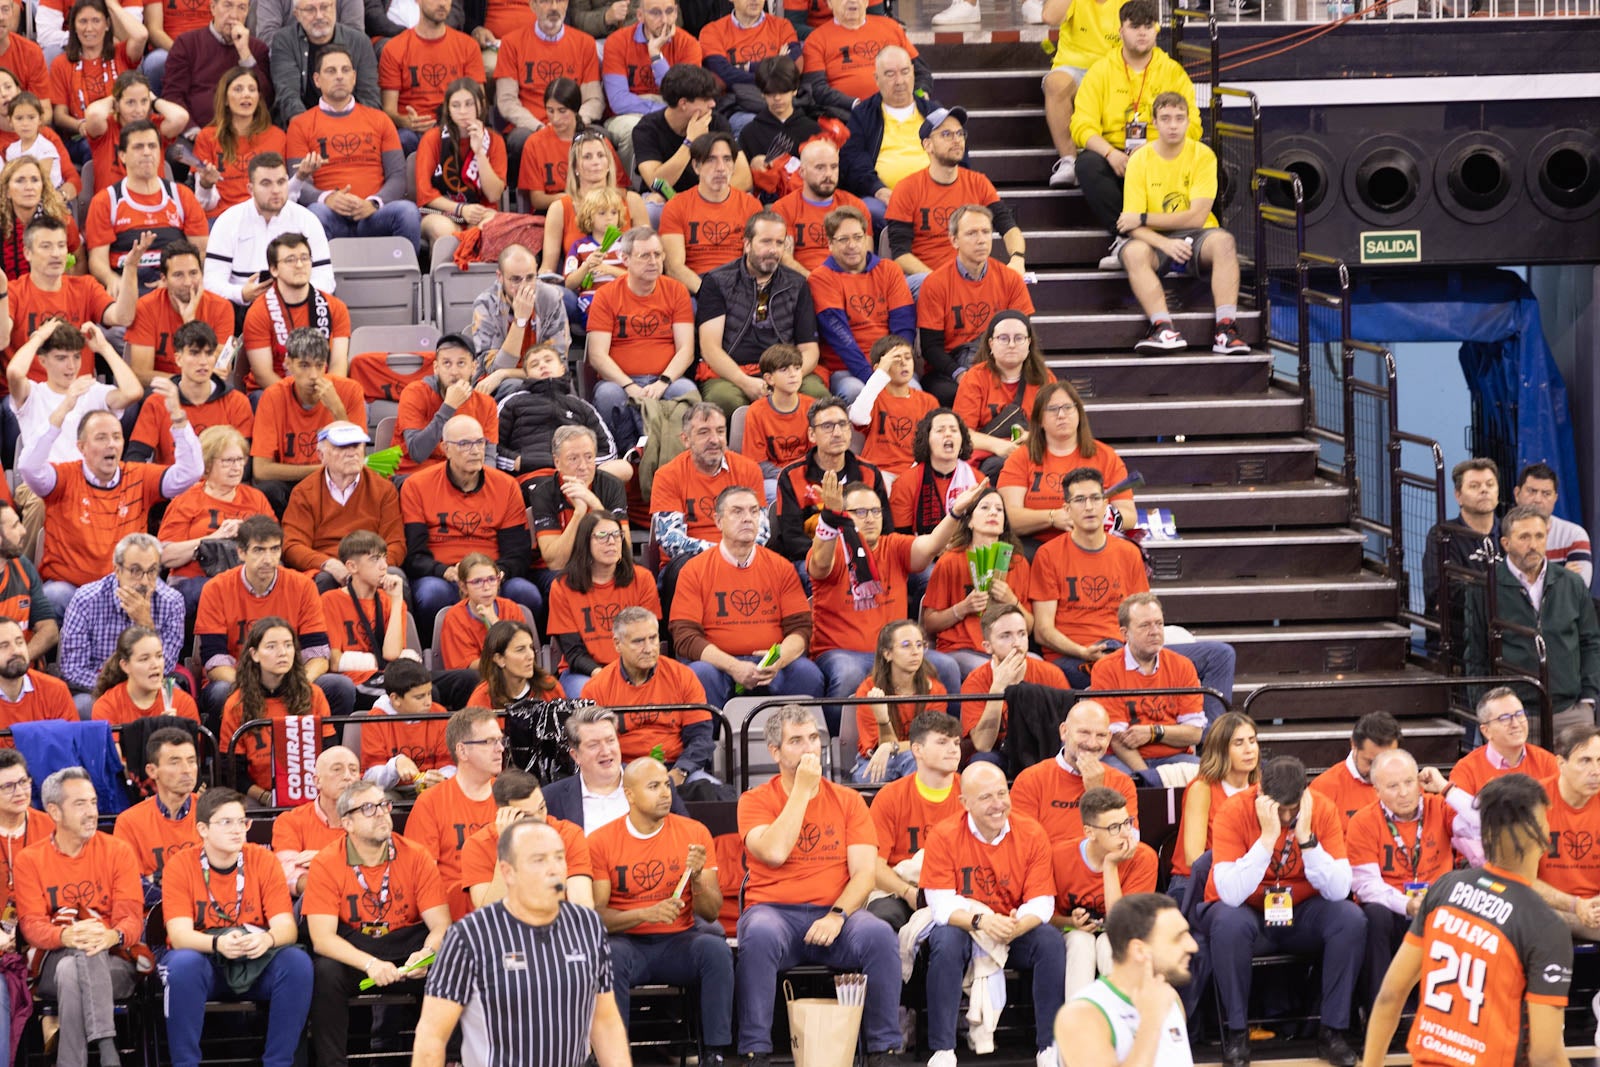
(1060, 409)
(140, 573)
(1117, 829)
(1508, 719)
(372, 809)
(588, 135)
(1086, 499)
(301, 260)
(607, 536)
(20, 785)
(831, 426)
(232, 824)
(474, 444)
(484, 582)
(495, 743)
(867, 513)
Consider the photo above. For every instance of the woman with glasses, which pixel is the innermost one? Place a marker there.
(271, 684)
(241, 130)
(510, 669)
(543, 172)
(591, 164)
(461, 164)
(1230, 762)
(133, 683)
(209, 510)
(1058, 443)
(467, 623)
(951, 607)
(600, 580)
(900, 667)
(998, 392)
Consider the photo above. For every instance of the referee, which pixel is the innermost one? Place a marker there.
(532, 973)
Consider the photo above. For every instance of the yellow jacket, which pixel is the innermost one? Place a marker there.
(1108, 95)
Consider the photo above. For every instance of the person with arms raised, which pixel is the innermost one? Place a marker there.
(44, 290)
(131, 100)
(88, 49)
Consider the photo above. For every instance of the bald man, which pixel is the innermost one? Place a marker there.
(988, 878)
(885, 143)
(804, 210)
(302, 832)
(654, 873)
(1049, 792)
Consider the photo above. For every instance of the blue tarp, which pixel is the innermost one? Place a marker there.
(1504, 356)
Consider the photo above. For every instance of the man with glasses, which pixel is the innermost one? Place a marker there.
(958, 299)
(800, 483)
(517, 313)
(581, 484)
(163, 825)
(200, 57)
(805, 210)
(346, 498)
(518, 796)
(374, 906)
(859, 297)
(687, 488)
(133, 594)
(449, 813)
(1503, 725)
(295, 42)
(1094, 873)
(458, 507)
(236, 263)
(289, 303)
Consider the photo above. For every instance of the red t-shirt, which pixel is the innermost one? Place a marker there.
(866, 300)
(641, 326)
(804, 220)
(771, 436)
(215, 903)
(1087, 586)
(77, 85)
(904, 816)
(740, 610)
(951, 582)
(1079, 887)
(155, 321)
(414, 886)
(981, 396)
(679, 486)
(1049, 793)
(1041, 482)
(900, 715)
(137, 212)
(234, 185)
(892, 428)
(353, 144)
(817, 869)
(590, 615)
(960, 307)
(627, 55)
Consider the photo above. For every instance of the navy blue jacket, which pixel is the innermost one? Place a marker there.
(858, 159)
(564, 800)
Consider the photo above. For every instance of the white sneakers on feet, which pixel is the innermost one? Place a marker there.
(1064, 175)
(1112, 260)
(957, 12)
(945, 1057)
(1047, 1057)
(1033, 11)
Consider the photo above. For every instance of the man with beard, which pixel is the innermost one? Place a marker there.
(800, 483)
(805, 211)
(133, 594)
(859, 298)
(1050, 791)
(1150, 951)
(237, 264)
(288, 303)
(22, 596)
(699, 226)
(159, 314)
(162, 825)
(25, 695)
(532, 55)
(436, 50)
(428, 404)
(295, 47)
(686, 488)
(746, 307)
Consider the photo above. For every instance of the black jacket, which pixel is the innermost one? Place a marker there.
(530, 417)
(730, 292)
(858, 159)
(789, 537)
(563, 799)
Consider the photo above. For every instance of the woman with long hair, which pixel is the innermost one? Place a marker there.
(130, 101)
(591, 164)
(133, 683)
(102, 45)
(271, 684)
(900, 667)
(542, 174)
(600, 580)
(941, 447)
(1059, 442)
(53, 152)
(240, 130)
(1230, 762)
(461, 164)
(952, 605)
(510, 668)
(26, 194)
(209, 510)
(998, 392)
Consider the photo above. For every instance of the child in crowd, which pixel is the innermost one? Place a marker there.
(27, 121)
(775, 424)
(890, 406)
(587, 267)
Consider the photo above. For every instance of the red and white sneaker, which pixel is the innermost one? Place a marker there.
(1163, 337)
(1226, 341)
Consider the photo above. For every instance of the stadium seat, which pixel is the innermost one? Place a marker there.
(383, 433)
(453, 290)
(379, 279)
(736, 428)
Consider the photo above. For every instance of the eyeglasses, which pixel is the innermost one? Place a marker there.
(1009, 339)
(909, 645)
(1088, 499)
(1060, 409)
(608, 536)
(20, 785)
(494, 743)
(231, 460)
(1508, 719)
(831, 426)
(951, 135)
(484, 582)
(233, 824)
(867, 513)
(294, 261)
(1116, 829)
(372, 809)
(139, 573)
(475, 444)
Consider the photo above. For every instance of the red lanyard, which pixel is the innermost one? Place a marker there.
(1145, 74)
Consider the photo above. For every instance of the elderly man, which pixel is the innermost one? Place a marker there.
(517, 313)
(800, 483)
(313, 28)
(686, 487)
(145, 203)
(594, 796)
(159, 315)
(236, 264)
(884, 148)
(294, 410)
(634, 66)
(640, 341)
(580, 485)
(806, 890)
(458, 507)
(201, 56)
(359, 184)
(1011, 907)
(1348, 784)
(346, 498)
(292, 301)
(301, 832)
(836, 55)
(1049, 792)
(531, 56)
(1567, 543)
(860, 297)
(1550, 600)
(806, 209)
(746, 307)
(267, 17)
(641, 676)
(700, 226)
(651, 920)
(131, 595)
(428, 404)
(1153, 731)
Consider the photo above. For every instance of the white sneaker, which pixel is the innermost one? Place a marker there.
(1112, 260)
(1047, 1058)
(1033, 11)
(1064, 175)
(960, 11)
(945, 1057)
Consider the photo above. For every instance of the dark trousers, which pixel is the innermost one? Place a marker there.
(334, 984)
(1335, 930)
(691, 958)
(192, 978)
(1102, 189)
(1385, 931)
(1040, 950)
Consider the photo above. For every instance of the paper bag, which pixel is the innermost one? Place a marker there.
(822, 1032)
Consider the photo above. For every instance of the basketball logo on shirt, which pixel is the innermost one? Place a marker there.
(979, 880)
(896, 426)
(1047, 482)
(645, 324)
(1149, 709)
(467, 522)
(597, 618)
(748, 53)
(1575, 845)
(712, 232)
(810, 837)
(862, 305)
(745, 601)
(347, 144)
(934, 219)
(783, 445)
(73, 895)
(971, 316)
(860, 51)
(696, 506)
(432, 75)
(1093, 903)
(299, 445)
(1095, 587)
(809, 235)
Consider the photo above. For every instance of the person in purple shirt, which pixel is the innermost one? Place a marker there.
(199, 58)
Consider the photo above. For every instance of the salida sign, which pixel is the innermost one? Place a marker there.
(1391, 246)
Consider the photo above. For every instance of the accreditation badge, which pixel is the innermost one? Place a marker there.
(1135, 133)
(1416, 890)
(1278, 904)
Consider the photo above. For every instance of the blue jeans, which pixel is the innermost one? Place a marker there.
(799, 679)
(843, 671)
(845, 386)
(60, 595)
(693, 957)
(900, 765)
(1214, 663)
(950, 949)
(433, 595)
(572, 683)
(155, 68)
(1335, 930)
(397, 218)
(191, 979)
(772, 940)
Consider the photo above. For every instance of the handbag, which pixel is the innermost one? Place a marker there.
(216, 555)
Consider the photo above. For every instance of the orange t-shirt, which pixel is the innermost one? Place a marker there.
(770, 436)
(286, 432)
(258, 334)
(228, 608)
(1474, 771)
(1348, 793)
(900, 715)
(643, 731)
(80, 299)
(837, 621)
(533, 62)
(590, 615)
(926, 206)
(1004, 875)
(960, 307)
(1235, 829)
(108, 168)
(848, 57)
(155, 320)
(171, 207)
(1427, 845)
(301, 829)
(234, 185)
(746, 48)
(1050, 793)
(420, 402)
(730, 879)
(77, 85)
(257, 744)
(1566, 865)
(865, 298)
(1172, 672)
(154, 426)
(216, 903)
(1079, 887)
(419, 69)
(904, 817)
(817, 869)
(83, 523)
(1087, 586)
(981, 680)
(627, 55)
(25, 59)
(679, 486)
(1042, 488)
(892, 428)
(644, 872)
(385, 736)
(181, 16)
(478, 856)
(154, 837)
(460, 523)
(116, 706)
(47, 698)
(1219, 796)
(345, 632)
(414, 886)
(440, 823)
(980, 398)
(544, 165)
(103, 876)
(37, 828)
(352, 143)
(713, 234)
(804, 220)
(462, 633)
(641, 326)
(950, 583)
(196, 513)
(741, 611)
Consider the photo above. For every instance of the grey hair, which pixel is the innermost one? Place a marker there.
(134, 540)
(633, 237)
(564, 434)
(55, 785)
(1492, 695)
(307, 345)
(627, 617)
(772, 729)
(700, 409)
(346, 803)
(1518, 514)
(963, 211)
(590, 716)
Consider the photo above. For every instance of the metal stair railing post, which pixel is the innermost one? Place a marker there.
(1487, 680)
(1432, 484)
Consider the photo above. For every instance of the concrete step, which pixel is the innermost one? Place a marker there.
(1362, 595)
(1020, 126)
(1320, 743)
(1015, 166)
(1256, 462)
(1042, 208)
(1248, 554)
(1063, 330)
(1314, 647)
(1213, 507)
(1056, 249)
(992, 88)
(1130, 374)
(1274, 412)
(1089, 287)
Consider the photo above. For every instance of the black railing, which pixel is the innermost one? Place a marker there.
(1458, 581)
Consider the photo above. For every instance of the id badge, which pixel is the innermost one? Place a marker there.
(1279, 906)
(1135, 134)
(375, 929)
(8, 917)
(1416, 890)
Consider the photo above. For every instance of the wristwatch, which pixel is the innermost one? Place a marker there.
(977, 920)
(836, 910)
(1310, 842)
(663, 379)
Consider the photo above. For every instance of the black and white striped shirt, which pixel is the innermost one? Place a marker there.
(529, 990)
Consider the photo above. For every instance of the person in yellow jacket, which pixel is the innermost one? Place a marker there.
(1111, 118)
(1090, 30)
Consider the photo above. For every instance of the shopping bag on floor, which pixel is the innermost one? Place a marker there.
(822, 1031)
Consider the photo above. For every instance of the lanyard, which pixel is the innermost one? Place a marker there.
(238, 890)
(381, 908)
(1281, 860)
(83, 101)
(1412, 856)
(1145, 74)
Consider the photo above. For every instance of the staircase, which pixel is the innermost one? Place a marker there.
(1266, 559)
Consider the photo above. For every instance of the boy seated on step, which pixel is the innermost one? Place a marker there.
(889, 407)
(775, 425)
(1177, 176)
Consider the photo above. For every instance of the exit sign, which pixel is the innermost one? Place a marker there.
(1391, 246)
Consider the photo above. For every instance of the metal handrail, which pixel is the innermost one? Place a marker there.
(1487, 680)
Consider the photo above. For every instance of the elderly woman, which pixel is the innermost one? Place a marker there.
(210, 510)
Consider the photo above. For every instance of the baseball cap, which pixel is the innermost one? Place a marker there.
(343, 435)
(937, 116)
